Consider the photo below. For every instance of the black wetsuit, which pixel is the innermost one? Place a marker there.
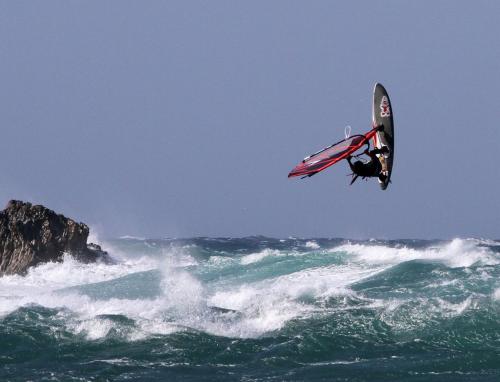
(370, 169)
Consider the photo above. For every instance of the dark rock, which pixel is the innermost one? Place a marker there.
(30, 235)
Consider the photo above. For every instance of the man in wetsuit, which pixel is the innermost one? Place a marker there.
(373, 168)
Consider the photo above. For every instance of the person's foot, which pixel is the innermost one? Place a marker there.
(382, 177)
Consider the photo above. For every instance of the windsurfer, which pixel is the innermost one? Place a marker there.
(372, 168)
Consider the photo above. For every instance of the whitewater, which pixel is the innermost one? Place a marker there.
(256, 309)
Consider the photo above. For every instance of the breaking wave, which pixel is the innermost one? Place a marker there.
(305, 305)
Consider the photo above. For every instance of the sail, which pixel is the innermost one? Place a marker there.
(330, 155)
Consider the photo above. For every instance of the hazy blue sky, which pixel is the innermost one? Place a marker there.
(183, 118)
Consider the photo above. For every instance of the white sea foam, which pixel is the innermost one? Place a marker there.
(267, 305)
(255, 257)
(178, 257)
(40, 282)
(412, 313)
(52, 275)
(455, 309)
(131, 237)
(312, 244)
(254, 308)
(93, 329)
(496, 294)
(457, 253)
(45, 285)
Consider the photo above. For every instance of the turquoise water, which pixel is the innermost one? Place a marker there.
(258, 309)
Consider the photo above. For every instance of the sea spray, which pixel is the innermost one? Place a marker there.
(258, 308)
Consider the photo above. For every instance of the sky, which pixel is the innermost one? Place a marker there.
(183, 118)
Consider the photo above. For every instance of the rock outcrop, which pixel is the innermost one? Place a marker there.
(32, 234)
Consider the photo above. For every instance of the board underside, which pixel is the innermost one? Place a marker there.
(382, 116)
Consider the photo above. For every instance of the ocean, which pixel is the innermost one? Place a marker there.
(258, 309)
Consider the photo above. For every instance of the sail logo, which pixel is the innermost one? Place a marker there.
(385, 109)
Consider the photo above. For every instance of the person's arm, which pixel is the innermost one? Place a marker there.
(369, 153)
(372, 155)
(349, 159)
